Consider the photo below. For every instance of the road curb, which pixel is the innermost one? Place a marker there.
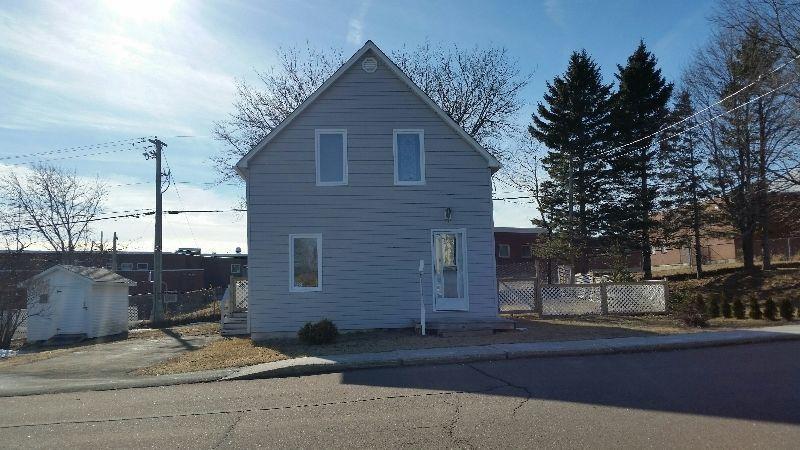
(497, 352)
(126, 383)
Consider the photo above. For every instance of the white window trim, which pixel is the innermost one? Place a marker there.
(126, 267)
(421, 134)
(238, 269)
(292, 287)
(465, 298)
(500, 254)
(343, 132)
(142, 266)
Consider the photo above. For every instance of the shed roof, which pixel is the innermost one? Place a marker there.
(242, 166)
(94, 274)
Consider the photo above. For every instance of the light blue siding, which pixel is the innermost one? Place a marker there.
(373, 232)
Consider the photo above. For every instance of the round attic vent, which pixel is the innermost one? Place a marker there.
(369, 64)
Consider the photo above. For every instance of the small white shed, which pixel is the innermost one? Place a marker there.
(76, 301)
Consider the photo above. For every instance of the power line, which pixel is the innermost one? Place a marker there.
(608, 152)
(80, 155)
(180, 199)
(132, 141)
(748, 86)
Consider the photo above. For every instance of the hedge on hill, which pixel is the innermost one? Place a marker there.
(738, 309)
(755, 309)
(786, 309)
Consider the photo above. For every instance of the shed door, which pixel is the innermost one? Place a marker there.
(70, 305)
(450, 270)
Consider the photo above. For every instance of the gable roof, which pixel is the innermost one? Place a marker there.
(493, 163)
(94, 274)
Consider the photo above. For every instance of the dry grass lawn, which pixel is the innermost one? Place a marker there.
(239, 352)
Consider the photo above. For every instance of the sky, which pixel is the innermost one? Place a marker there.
(80, 73)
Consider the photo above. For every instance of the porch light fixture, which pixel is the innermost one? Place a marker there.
(448, 215)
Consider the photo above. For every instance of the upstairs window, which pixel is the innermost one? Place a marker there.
(142, 266)
(236, 269)
(126, 267)
(331, 155)
(527, 251)
(409, 157)
(504, 250)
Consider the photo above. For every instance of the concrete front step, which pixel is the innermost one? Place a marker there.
(469, 326)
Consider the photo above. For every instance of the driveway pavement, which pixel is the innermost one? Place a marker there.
(94, 365)
(727, 397)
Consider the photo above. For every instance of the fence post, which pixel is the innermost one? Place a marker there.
(666, 293)
(537, 296)
(603, 298)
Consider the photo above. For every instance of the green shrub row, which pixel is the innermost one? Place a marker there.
(769, 311)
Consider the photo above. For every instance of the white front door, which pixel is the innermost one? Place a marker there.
(449, 254)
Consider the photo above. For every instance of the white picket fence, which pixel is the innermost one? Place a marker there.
(578, 299)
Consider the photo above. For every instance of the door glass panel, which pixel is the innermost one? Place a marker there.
(448, 267)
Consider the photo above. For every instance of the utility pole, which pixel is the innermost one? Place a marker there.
(158, 304)
(114, 253)
(571, 237)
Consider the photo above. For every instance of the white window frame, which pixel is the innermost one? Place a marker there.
(500, 253)
(421, 134)
(342, 132)
(142, 266)
(292, 287)
(529, 255)
(126, 267)
(450, 304)
(238, 270)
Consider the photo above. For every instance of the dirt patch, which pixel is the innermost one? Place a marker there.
(239, 352)
(195, 329)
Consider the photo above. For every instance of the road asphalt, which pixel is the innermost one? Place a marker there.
(725, 397)
(111, 365)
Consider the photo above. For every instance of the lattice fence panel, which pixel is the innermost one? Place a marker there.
(241, 295)
(570, 300)
(133, 313)
(636, 298)
(517, 295)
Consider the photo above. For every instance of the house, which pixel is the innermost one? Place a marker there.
(365, 179)
(76, 302)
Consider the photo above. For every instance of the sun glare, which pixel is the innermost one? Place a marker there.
(140, 10)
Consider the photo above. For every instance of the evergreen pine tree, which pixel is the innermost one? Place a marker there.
(683, 185)
(573, 124)
(755, 309)
(786, 309)
(738, 308)
(639, 112)
(726, 308)
(713, 307)
(770, 309)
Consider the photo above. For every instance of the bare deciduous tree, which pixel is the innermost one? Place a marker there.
(479, 88)
(55, 205)
(259, 109)
(751, 134)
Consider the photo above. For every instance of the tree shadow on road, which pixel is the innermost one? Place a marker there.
(751, 382)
